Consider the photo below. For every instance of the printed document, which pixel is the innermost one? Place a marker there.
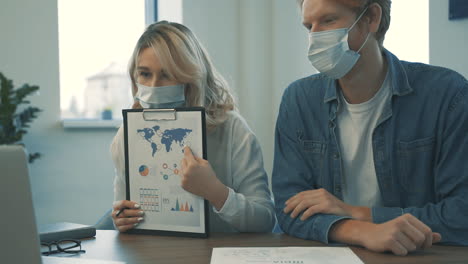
(284, 255)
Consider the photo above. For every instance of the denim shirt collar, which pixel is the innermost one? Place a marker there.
(399, 79)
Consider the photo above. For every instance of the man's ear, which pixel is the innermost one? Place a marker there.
(374, 17)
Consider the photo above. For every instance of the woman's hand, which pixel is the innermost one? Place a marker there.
(136, 105)
(199, 178)
(130, 215)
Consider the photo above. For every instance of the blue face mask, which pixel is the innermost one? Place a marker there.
(161, 97)
(329, 51)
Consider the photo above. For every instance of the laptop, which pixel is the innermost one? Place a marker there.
(19, 240)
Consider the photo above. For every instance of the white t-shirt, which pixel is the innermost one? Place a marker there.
(235, 155)
(356, 123)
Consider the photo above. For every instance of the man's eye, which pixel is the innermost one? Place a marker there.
(329, 20)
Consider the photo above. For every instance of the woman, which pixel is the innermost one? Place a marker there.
(170, 68)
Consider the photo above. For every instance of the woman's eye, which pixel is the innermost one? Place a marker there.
(163, 75)
(145, 74)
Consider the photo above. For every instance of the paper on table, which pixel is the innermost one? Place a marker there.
(282, 255)
(69, 260)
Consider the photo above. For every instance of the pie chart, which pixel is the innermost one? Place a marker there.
(143, 170)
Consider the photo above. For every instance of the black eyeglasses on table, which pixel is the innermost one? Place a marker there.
(70, 246)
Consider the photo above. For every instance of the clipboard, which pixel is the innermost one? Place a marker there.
(154, 140)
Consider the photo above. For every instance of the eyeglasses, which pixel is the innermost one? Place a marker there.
(70, 246)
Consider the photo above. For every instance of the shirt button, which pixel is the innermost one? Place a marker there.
(336, 156)
(338, 189)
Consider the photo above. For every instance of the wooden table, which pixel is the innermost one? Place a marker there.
(135, 249)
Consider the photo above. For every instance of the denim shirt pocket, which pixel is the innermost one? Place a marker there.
(314, 151)
(415, 162)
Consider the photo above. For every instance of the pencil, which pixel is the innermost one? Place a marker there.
(119, 212)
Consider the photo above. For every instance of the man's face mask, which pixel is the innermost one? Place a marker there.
(161, 96)
(329, 51)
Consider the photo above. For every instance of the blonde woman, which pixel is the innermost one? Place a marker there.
(170, 68)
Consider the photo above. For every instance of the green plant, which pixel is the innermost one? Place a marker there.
(13, 123)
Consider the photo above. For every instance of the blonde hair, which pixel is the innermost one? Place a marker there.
(360, 5)
(186, 61)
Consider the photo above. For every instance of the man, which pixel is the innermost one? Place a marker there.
(371, 151)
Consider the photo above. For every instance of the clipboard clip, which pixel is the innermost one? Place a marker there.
(159, 114)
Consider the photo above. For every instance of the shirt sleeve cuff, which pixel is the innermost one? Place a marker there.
(324, 224)
(384, 214)
(229, 206)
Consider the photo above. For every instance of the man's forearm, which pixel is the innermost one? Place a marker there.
(361, 213)
(349, 231)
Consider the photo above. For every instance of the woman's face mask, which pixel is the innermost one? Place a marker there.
(161, 96)
(329, 51)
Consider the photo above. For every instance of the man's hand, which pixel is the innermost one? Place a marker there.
(321, 201)
(400, 236)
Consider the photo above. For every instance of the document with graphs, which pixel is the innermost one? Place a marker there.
(154, 143)
(284, 255)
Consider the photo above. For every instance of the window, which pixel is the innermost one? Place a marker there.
(408, 35)
(96, 40)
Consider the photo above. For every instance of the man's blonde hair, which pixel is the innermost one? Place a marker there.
(360, 5)
(185, 60)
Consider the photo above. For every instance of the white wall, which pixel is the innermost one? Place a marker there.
(448, 38)
(260, 47)
(73, 179)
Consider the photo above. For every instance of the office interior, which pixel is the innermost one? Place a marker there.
(259, 46)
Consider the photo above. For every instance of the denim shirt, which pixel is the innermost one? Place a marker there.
(420, 150)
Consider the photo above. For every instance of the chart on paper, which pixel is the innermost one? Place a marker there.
(155, 172)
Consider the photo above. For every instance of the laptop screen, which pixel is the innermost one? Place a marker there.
(19, 239)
